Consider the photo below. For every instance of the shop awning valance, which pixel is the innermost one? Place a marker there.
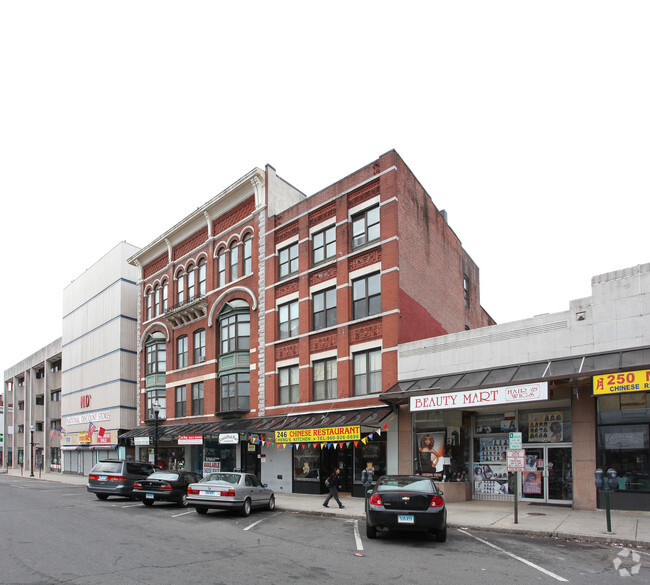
(370, 417)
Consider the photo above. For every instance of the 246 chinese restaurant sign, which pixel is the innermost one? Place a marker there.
(483, 397)
(622, 382)
(329, 435)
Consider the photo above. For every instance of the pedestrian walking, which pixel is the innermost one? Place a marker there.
(333, 482)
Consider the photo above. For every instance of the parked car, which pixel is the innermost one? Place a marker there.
(115, 477)
(165, 486)
(406, 502)
(230, 491)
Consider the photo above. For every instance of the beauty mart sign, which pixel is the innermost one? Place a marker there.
(510, 395)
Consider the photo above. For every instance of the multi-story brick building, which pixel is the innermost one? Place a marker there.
(271, 320)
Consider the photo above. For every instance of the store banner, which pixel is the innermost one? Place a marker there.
(190, 439)
(329, 435)
(637, 381)
(510, 395)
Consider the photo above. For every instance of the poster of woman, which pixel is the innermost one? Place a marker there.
(431, 450)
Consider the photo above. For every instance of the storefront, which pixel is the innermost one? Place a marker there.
(623, 436)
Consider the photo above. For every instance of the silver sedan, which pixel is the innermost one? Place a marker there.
(230, 491)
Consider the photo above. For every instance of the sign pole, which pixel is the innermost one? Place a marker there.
(517, 476)
(516, 464)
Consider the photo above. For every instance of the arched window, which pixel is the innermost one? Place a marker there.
(203, 276)
(191, 277)
(165, 295)
(155, 348)
(248, 254)
(156, 300)
(221, 267)
(181, 351)
(234, 262)
(149, 301)
(199, 346)
(234, 356)
(180, 287)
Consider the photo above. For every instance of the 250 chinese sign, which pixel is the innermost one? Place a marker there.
(622, 382)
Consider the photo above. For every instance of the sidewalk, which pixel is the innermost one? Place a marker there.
(629, 528)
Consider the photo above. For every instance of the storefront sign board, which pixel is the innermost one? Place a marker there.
(329, 435)
(141, 441)
(637, 381)
(514, 441)
(228, 438)
(190, 439)
(510, 395)
(211, 467)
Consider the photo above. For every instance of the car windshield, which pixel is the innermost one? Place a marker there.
(164, 475)
(231, 478)
(108, 467)
(415, 484)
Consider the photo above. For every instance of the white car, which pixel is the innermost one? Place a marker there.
(230, 490)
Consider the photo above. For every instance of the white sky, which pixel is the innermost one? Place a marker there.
(529, 122)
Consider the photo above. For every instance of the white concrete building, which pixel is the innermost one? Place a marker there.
(99, 341)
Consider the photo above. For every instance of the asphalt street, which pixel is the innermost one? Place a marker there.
(57, 533)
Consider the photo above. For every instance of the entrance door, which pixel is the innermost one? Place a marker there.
(250, 462)
(549, 476)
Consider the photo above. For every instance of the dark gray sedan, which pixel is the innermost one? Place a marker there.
(164, 486)
(230, 491)
(406, 502)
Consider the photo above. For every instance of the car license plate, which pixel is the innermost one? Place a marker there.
(102, 478)
(405, 519)
(211, 493)
(149, 496)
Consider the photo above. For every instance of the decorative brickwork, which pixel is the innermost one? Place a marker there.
(322, 214)
(366, 331)
(322, 342)
(286, 288)
(155, 265)
(366, 259)
(286, 232)
(286, 351)
(234, 216)
(363, 194)
(189, 244)
(322, 275)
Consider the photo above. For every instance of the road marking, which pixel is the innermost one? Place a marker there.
(131, 505)
(260, 520)
(533, 565)
(183, 513)
(357, 536)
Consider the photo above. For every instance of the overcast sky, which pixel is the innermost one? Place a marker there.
(529, 122)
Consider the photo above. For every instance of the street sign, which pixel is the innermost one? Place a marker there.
(516, 459)
(514, 441)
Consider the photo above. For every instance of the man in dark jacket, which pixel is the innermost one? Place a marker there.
(334, 484)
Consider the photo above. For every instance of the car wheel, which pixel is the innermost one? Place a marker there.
(201, 510)
(147, 502)
(102, 496)
(246, 508)
(441, 535)
(182, 502)
(371, 531)
(272, 503)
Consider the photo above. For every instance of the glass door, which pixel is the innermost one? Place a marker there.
(548, 475)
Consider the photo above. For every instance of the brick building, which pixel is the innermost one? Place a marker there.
(270, 321)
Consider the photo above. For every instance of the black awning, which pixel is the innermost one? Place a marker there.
(370, 417)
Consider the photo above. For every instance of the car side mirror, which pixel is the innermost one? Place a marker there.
(441, 493)
(370, 491)
(265, 485)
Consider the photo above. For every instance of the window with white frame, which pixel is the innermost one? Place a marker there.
(324, 308)
(182, 351)
(248, 254)
(221, 267)
(288, 320)
(367, 372)
(365, 227)
(324, 245)
(288, 385)
(197, 398)
(366, 296)
(288, 260)
(199, 346)
(324, 372)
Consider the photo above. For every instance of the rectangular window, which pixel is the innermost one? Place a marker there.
(191, 277)
(180, 289)
(366, 296)
(156, 301)
(156, 358)
(235, 392)
(55, 395)
(288, 320)
(197, 398)
(365, 227)
(181, 351)
(203, 277)
(234, 262)
(157, 398)
(466, 290)
(367, 372)
(221, 267)
(288, 385)
(39, 400)
(149, 305)
(38, 427)
(181, 402)
(21, 405)
(165, 295)
(199, 346)
(324, 308)
(236, 333)
(324, 245)
(325, 379)
(288, 260)
(248, 254)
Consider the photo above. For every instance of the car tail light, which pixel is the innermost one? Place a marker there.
(193, 491)
(116, 478)
(165, 488)
(229, 493)
(375, 500)
(137, 485)
(91, 476)
(436, 502)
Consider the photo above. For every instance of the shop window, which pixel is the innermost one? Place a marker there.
(370, 457)
(546, 426)
(306, 465)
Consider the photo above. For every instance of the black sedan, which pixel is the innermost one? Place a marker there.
(406, 502)
(164, 486)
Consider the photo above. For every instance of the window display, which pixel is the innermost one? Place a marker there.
(306, 465)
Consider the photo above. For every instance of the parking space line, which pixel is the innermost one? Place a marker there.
(183, 513)
(357, 536)
(260, 520)
(505, 552)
